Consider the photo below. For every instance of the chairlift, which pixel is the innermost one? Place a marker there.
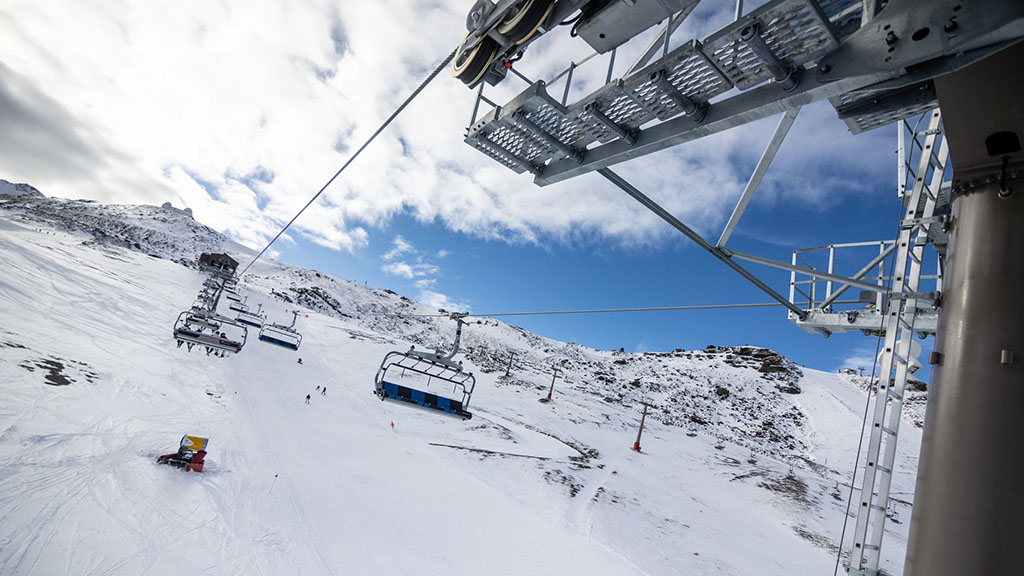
(281, 335)
(192, 334)
(238, 306)
(433, 367)
(254, 319)
(202, 317)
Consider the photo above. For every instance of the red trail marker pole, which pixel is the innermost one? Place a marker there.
(636, 445)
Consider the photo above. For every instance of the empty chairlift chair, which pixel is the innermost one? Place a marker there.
(280, 335)
(254, 319)
(427, 369)
(236, 305)
(199, 317)
(200, 333)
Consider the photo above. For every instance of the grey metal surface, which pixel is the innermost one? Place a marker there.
(867, 320)
(796, 31)
(872, 79)
(968, 515)
(618, 22)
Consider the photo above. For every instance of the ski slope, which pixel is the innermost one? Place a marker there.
(332, 487)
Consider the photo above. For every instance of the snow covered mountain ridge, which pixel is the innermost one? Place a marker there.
(12, 189)
(744, 452)
(734, 393)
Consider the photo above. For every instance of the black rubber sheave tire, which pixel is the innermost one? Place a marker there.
(522, 22)
(470, 65)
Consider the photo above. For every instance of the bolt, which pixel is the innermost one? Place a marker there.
(824, 68)
(891, 38)
(950, 25)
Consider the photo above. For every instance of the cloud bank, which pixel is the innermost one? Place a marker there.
(241, 110)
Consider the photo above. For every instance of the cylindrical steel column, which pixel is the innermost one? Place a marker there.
(968, 515)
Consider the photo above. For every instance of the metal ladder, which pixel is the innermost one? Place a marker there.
(903, 302)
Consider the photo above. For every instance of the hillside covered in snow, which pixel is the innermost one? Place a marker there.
(745, 465)
(12, 189)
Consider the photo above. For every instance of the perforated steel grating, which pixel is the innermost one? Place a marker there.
(796, 31)
(871, 120)
(690, 72)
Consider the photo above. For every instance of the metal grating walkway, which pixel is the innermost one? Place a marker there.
(533, 128)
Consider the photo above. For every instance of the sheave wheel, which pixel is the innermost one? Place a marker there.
(524, 18)
(470, 64)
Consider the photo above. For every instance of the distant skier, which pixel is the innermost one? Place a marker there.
(323, 392)
(317, 387)
(300, 360)
(307, 398)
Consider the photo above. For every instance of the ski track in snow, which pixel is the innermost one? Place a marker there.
(522, 488)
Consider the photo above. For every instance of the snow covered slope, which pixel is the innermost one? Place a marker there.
(12, 189)
(741, 458)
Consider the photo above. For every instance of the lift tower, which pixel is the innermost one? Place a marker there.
(876, 62)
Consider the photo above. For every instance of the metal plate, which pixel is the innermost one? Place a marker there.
(620, 21)
(867, 109)
(796, 31)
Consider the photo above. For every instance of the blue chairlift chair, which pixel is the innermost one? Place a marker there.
(436, 368)
(281, 335)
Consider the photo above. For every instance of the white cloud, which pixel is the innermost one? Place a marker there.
(399, 246)
(400, 269)
(438, 300)
(241, 110)
(442, 253)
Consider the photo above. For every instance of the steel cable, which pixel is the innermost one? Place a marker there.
(394, 115)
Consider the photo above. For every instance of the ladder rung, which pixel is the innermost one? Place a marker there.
(884, 469)
(877, 507)
(893, 395)
(870, 547)
(888, 430)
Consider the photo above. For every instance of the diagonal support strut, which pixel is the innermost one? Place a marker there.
(697, 238)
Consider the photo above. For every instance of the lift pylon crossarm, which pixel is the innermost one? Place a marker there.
(873, 75)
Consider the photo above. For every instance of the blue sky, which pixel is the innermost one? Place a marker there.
(494, 276)
(242, 109)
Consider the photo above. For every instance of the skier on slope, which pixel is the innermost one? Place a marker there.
(307, 398)
(323, 392)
